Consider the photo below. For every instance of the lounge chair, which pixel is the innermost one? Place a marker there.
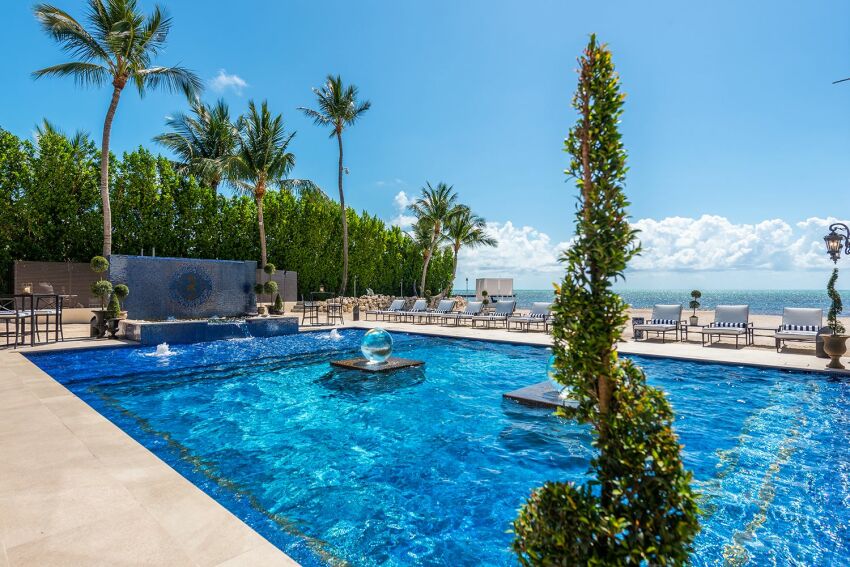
(444, 307)
(396, 306)
(537, 316)
(473, 308)
(420, 307)
(799, 324)
(665, 319)
(504, 309)
(730, 321)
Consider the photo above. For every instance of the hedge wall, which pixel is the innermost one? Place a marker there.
(50, 210)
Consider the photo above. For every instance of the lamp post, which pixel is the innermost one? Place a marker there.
(835, 240)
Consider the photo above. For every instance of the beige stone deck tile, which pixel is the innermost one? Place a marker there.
(57, 505)
(267, 556)
(208, 532)
(73, 412)
(129, 538)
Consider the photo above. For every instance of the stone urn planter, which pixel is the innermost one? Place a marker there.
(694, 320)
(835, 346)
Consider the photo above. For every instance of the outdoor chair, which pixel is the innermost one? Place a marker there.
(394, 307)
(443, 307)
(420, 306)
(800, 324)
(49, 307)
(730, 321)
(504, 309)
(310, 313)
(665, 319)
(473, 308)
(10, 315)
(538, 315)
(333, 311)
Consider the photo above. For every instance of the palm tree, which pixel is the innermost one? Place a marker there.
(79, 140)
(437, 205)
(262, 160)
(118, 47)
(338, 108)
(205, 142)
(421, 234)
(465, 229)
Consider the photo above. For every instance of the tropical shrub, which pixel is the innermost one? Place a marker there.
(50, 211)
(638, 507)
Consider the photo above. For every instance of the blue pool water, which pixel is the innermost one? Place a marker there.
(429, 465)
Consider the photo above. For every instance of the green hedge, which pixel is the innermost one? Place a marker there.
(50, 211)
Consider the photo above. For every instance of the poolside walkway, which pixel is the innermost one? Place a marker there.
(76, 490)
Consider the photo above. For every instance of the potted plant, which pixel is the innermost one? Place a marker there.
(114, 314)
(101, 289)
(277, 309)
(258, 289)
(835, 343)
(694, 304)
(484, 297)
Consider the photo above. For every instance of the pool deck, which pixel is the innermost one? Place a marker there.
(76, 490)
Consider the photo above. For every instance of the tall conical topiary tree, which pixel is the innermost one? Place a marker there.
(638, 508)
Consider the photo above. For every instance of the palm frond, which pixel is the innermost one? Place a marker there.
(70, 34)
(173, 79)
(84, 74)
(302, 188)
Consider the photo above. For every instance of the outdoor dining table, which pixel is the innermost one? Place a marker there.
(28, 306)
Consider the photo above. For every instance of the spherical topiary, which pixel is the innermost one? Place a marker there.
(101, 288)
(258, 288)
(270, 287)
(269, 269)
(99, 264)
(121, 291)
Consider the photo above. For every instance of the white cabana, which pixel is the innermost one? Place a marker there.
(495, 287)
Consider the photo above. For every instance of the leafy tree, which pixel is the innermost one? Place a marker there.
(638, 508)
(338, 108)
(465, 229)
(118, 46)
(435, 206)
(204, 142)
(262, 160)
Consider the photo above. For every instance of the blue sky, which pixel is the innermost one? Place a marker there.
(738, 141)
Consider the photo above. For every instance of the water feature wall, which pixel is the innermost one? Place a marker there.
(182, 332)
(182, 288)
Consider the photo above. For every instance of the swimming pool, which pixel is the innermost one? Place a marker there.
(429, 465)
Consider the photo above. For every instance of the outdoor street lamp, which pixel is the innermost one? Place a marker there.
(835, 239)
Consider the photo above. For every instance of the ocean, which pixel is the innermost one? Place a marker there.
(761, 301)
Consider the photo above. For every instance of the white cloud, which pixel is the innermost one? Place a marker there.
(715, 243)
(523, 250)
(401, 201)
(224, 81)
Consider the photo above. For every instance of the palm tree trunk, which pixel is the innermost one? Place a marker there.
(451, 283)
(104, 172)
(259, 194)
(344, 222)
(428, 258)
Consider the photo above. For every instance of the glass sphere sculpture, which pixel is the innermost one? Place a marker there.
(377, 346)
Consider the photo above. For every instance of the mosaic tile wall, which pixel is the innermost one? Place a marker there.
(183, 288)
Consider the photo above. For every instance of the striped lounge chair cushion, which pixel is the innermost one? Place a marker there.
(537, 315)
(662, 322)
(727, 324)
(789, 327)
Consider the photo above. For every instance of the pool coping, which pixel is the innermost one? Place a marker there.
(74, 485)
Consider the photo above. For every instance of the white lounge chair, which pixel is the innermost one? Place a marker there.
(444, 307)
(800, 324)
(504, 309)
(537, 316)
(473, 308)
(396, 306)
(420, 307)
(665, 319)
(730, 321)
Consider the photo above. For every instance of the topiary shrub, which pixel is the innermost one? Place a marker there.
(269, 269)
(99, 264)
(278, 304)
(638, 507)
(835, 306)
(122, 291)
(270, 287)
(258, 288)
(101, 289)
(113, 310)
